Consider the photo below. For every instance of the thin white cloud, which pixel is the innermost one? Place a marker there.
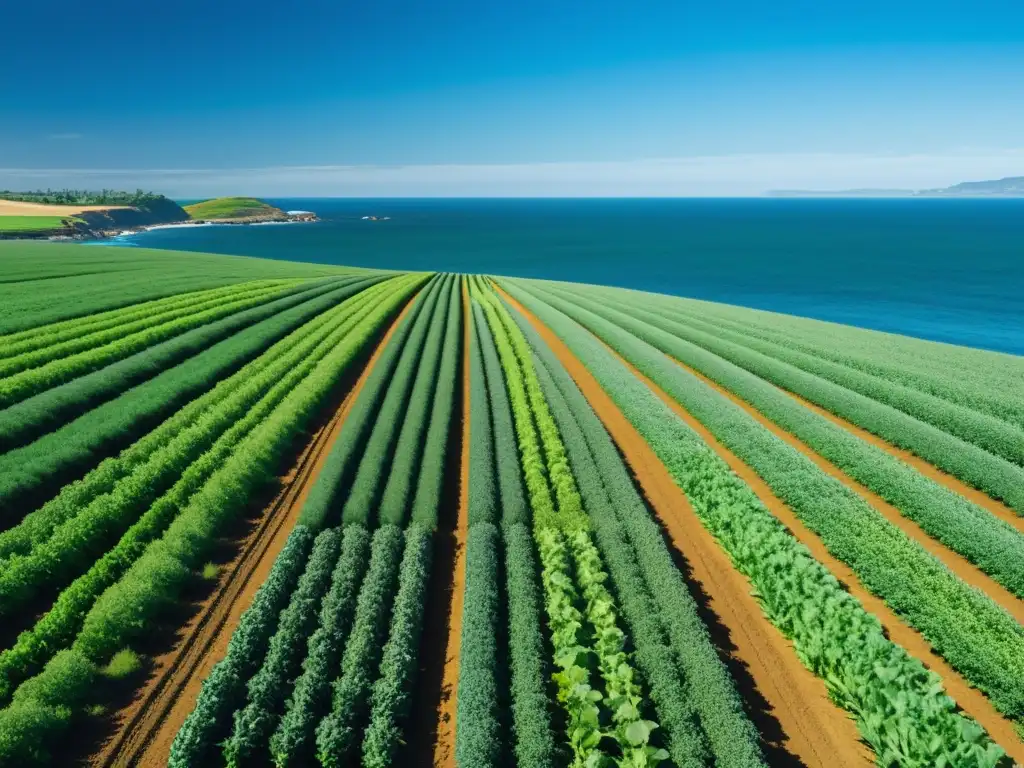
(64, 136)
(721, 175)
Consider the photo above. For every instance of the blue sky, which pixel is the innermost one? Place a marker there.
(511, 97)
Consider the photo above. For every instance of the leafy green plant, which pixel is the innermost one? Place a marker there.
(124, 664)
(836, 639)
(269, 687)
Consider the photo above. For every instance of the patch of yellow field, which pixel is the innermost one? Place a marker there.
(14, 208)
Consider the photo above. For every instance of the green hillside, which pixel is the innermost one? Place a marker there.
(231, 208)
(25, 224)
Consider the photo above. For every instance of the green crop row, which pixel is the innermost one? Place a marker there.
(338, 734)
(532, 739)
(478, 732)
(31, 469)
(513, 508)
(427, 499)
(622, 720)
(51, 350)
(391, 697)
(983, 430)
(971, 632)
(186, 462)
(688, 681)
(623, 694)
(156, 576)
(988, 382)
(48, 337)
(292, 743)
(221, 404)
(269, 687)
(899, 706)
(224, 687)
(327, 495)
(19, 386)
(994, 545)
(368, 484)
(974, 465)
(416, 397)
(124, 607)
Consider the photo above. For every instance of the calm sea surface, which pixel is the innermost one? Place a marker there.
(948, 270)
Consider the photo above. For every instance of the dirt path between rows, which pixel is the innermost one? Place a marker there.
(955, 562)
(816, 732)
(973, 495)
(150, 723)
(971, 700)
(444, 744)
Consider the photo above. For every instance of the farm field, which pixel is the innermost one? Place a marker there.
(262, 513)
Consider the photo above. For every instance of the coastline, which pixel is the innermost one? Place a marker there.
(306, 217)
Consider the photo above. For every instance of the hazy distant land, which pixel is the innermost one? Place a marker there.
(1011, 186)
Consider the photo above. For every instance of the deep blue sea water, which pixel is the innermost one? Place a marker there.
(948, 270)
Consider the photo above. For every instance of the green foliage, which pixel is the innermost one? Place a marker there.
(242, 389)
(977, 637)
(230, 208)
(484, 505)
(534, 737)
(29, 224)
(876, 680)
(189, 459)
(606, 642)
(572, 656)
(224, 688)
(392, 695)
(125, 663)
(513, 506)
(985, 381)
(19, 386)
(292, 743)
(99, 279)
(995, 546)
(436, 449)
(411, 437)
(478, 737)
(269, 687)
(984, 430)
(337, 736)
(43, 348)
(673, 647)
(995, 475)
(152, 580)
(210, 572)
(106, 427)
(44, 708)
(82, 197)
(328, 492)
(370, 479)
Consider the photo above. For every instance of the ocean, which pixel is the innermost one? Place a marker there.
(946, 270)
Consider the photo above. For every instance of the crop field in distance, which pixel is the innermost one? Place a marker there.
(267, 513)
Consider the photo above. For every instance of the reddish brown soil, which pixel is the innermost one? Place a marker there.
(444, 744)
(816, 732)
(982, 499)
(148, 726)
(958, 564)
(972, 701)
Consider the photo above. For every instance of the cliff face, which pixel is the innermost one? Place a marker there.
(161, 211)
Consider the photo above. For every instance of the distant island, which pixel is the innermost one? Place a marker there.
(84, 215)
(1011, 186)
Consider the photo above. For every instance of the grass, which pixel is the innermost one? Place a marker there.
(229, 208)
(24, 224)
(125, 662)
